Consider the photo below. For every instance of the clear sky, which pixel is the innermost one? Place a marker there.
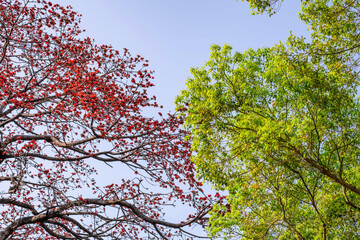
(176, 35)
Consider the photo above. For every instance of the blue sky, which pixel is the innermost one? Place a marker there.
(176, 35)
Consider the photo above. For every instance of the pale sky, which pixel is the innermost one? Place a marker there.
(176, 35)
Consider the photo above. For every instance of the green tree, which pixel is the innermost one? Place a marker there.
(278, 128)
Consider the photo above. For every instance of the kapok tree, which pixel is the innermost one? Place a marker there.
(66, 103)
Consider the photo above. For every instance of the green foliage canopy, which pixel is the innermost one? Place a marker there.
(278, 128)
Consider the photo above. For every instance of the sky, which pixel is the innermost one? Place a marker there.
(176, 35)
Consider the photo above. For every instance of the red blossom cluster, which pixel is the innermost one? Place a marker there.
(65, 103)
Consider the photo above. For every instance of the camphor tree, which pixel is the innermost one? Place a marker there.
(261, 6)
(66, 103)
(279, 128)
